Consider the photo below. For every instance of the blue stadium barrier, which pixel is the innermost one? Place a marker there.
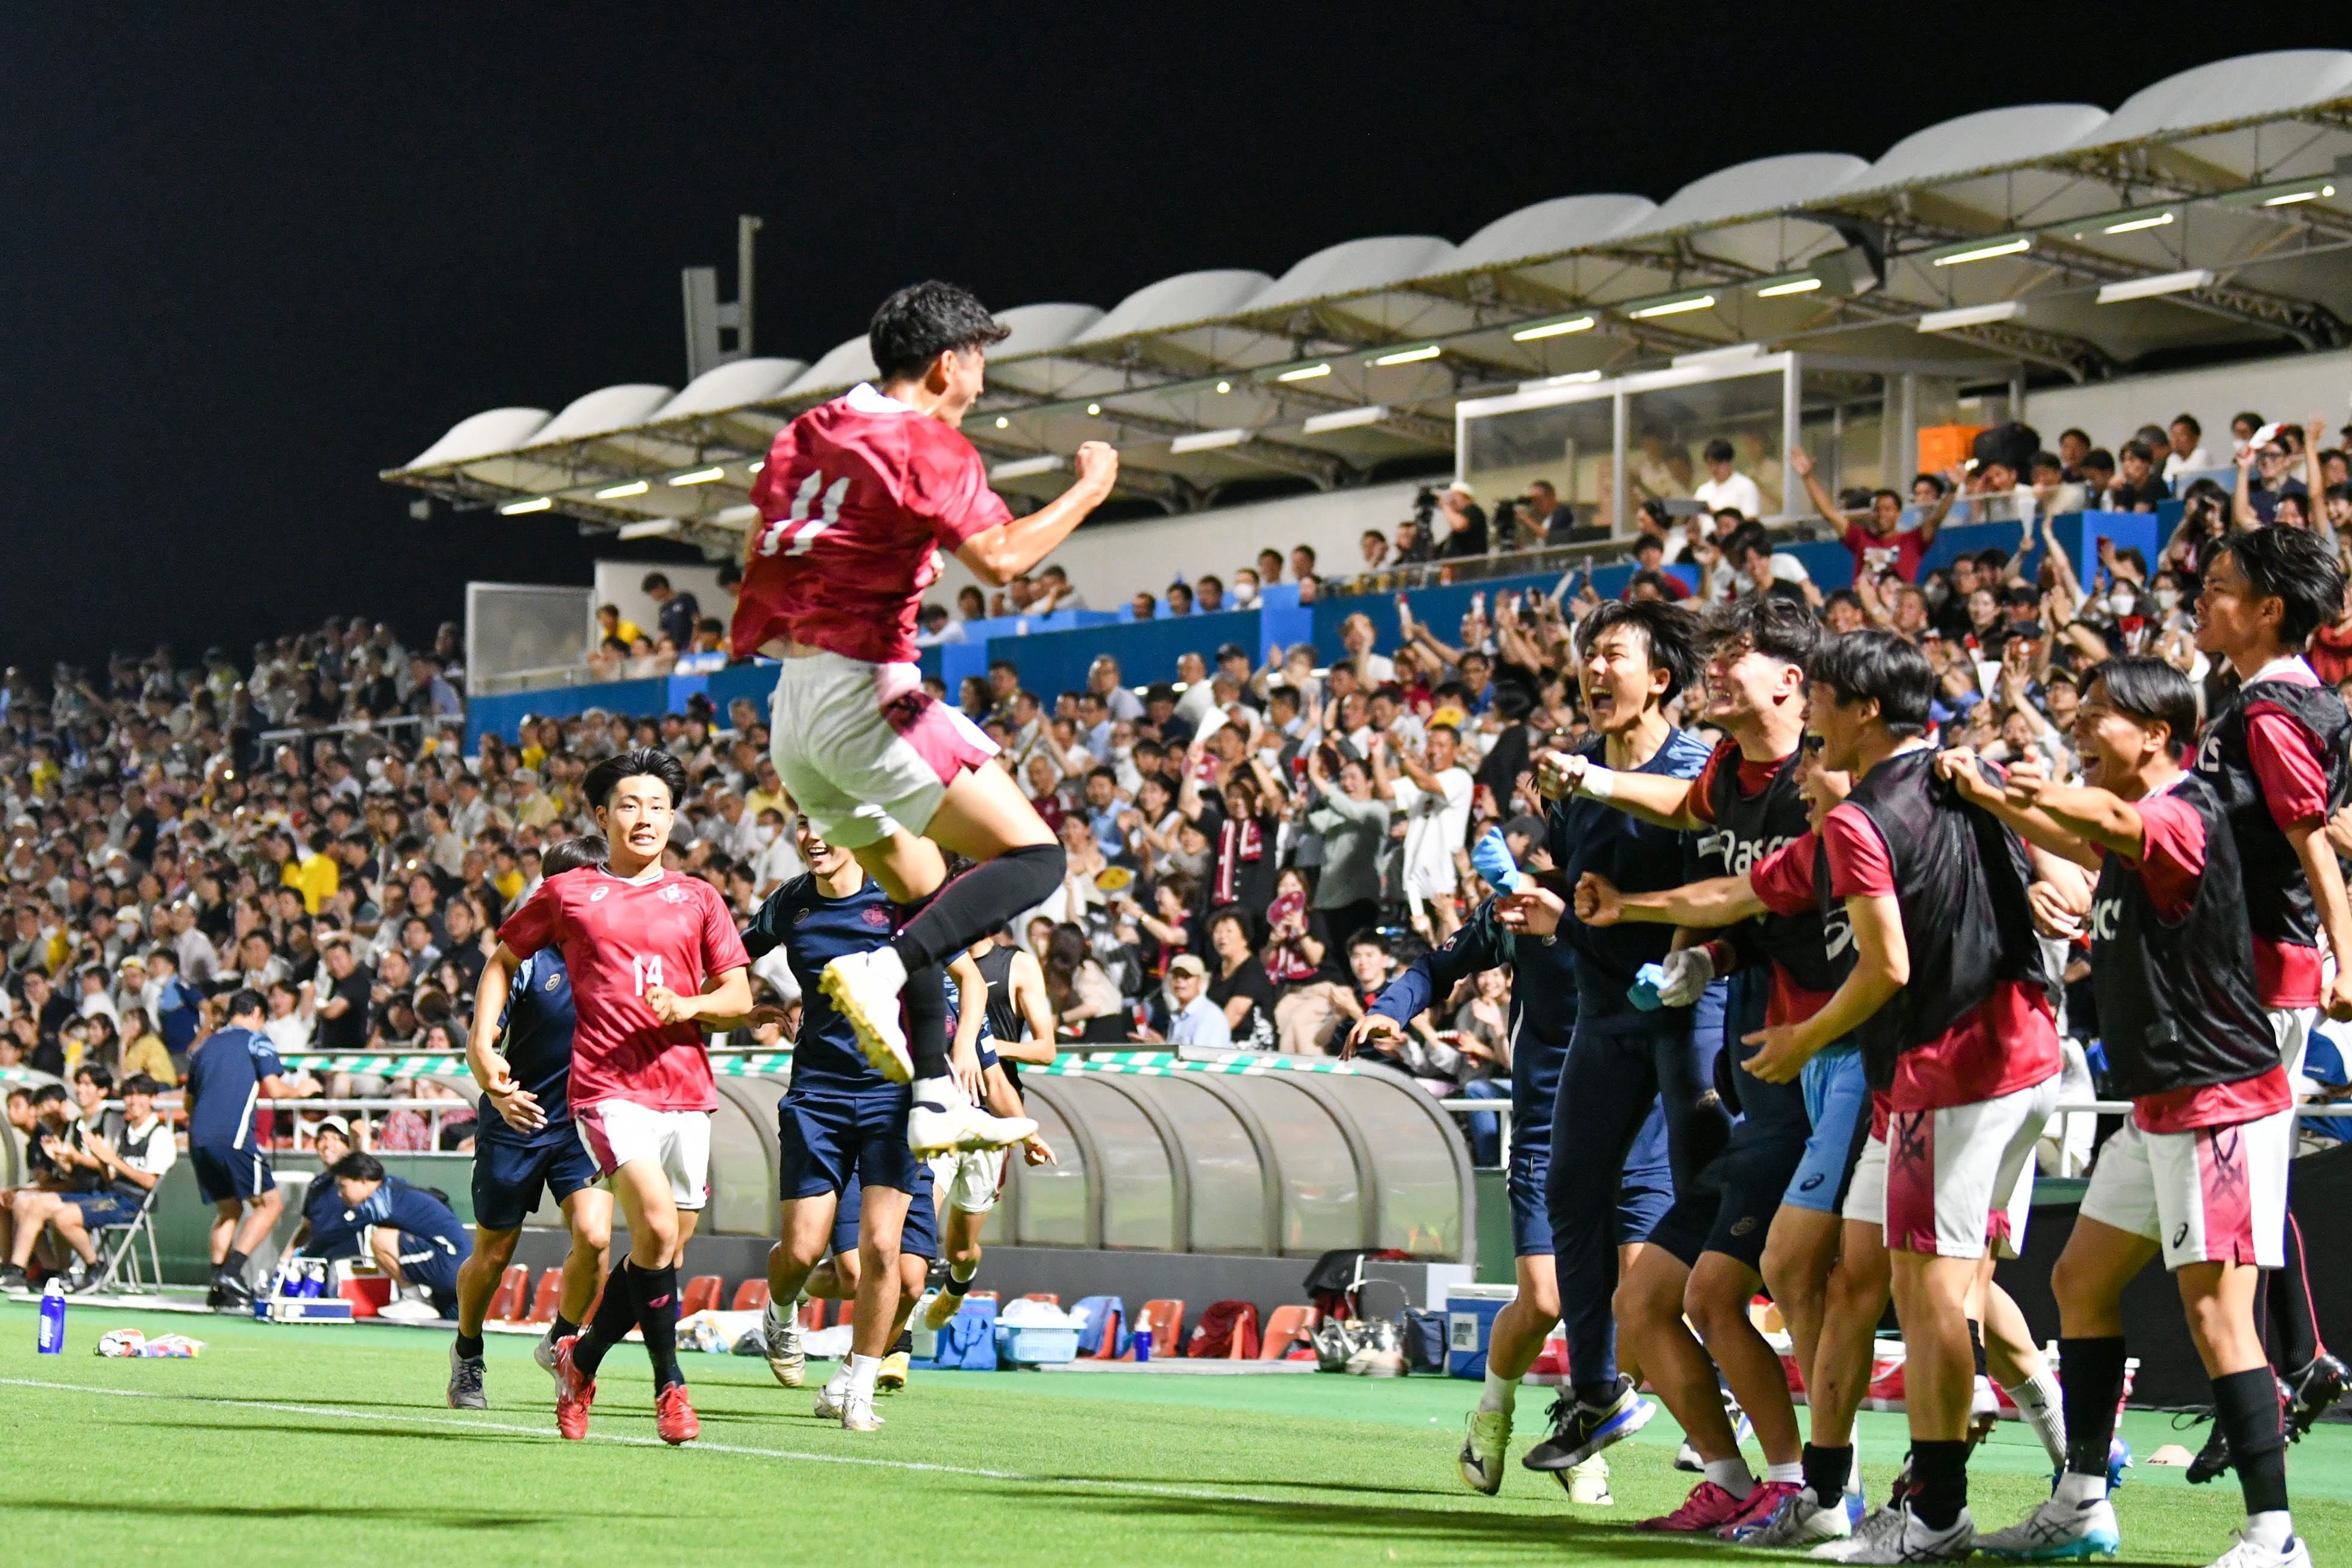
(1054, 662)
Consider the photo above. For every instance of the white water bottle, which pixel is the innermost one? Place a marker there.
(52, 1340)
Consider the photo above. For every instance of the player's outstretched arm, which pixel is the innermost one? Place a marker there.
(1882, 967)
(1650, 796)
(1701, 905)
(1008, 550)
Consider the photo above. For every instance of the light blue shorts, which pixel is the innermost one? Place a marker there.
(1837, 1102)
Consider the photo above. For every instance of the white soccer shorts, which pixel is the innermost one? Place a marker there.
(2216, 1194)
(1958, 1179)
(973, 1179)
(616, 1132)
(863, 750)
(2292, 1028)
(1865, 1195)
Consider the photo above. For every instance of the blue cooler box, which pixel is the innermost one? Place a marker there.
(1469, 1320)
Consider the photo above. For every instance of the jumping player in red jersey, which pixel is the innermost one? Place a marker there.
(856, 499)
(649, 952)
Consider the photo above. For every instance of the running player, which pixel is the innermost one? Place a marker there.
(524, 1143)
(1020, 1018)
(857, 498)
(1633, 659)
(1706, 1263)
(1542, 1021)
(2198, 1172)
(416, 1238)
(649, 952)
(839, 1122)
(229, 1071)
(2273, 759)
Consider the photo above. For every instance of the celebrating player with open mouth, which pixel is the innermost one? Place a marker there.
(857, 498)
(649, 952)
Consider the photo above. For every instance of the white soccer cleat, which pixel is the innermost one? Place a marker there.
(1588, 1483)
(1481, 1461)
(858, 1415)
(779, 1334)
(1895, 1535)
(833, 1398)
(935, 1126)
(860, 987)
(1795, 1520)
(543, 1352)
(2057, 1529)
(2245, 1552)
(408, 1309)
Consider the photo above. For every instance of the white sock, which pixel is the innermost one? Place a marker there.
(862, 1370)
(1731, 1475)
(2039, 1400)
(1501, 1392)
(2079, 1491)
(1792, 1473)
(940, 1091)
(2273, 1530)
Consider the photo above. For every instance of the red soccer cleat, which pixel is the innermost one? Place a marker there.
(674, 1415)
(573, 1393)
(1708, 1507)
(1763, 1498)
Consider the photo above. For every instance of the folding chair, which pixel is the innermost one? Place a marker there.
(1285, 1330)
(117, 1250)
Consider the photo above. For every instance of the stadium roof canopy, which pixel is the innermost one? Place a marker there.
(2210, 211)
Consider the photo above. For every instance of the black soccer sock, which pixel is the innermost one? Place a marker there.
(960, 1284)
(978, 902)
(2246, 1409)
(233, 1266)
(469, 1346)
(2294, 1340)
(563, 1328)
(2091, 1372)
(657, 1293)
(925, 996)
(1826, 1471)
(904, 1344)
(1939, 1480)
(615, 1314)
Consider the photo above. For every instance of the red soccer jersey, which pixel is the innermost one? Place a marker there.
(1876, 552)
(858, 497)
(619, 938)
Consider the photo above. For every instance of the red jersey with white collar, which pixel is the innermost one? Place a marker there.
(620, 938)
(858, 498)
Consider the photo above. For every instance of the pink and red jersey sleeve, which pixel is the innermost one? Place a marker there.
(539, 923)
(1784, 879)
(2172, 855)
(946, 486)
(1860, 865)
(723, 945)
(2286, 760)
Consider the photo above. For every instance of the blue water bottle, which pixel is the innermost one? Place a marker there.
(1141, 1340)
(53, 1317)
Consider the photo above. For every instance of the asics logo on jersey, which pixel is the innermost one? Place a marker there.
(2102, 919)
(1837, 933)
(1739, 855)
(795, 531)
(598, 896)
(2209, 756)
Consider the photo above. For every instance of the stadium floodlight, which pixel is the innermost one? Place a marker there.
(1972, 316)
(2130, 221)
(1558, 327)
(621, 492)
(2281, 193)
(1093, 409)
(1573, 378)
(1225, 386)
(1673, 305)
(1346, 418)
(651, 529)
(742, 515)
(1410, 355)
(1304, 373)
(2150, 287)
(1980, 250)
(698, 476)
(1208, 440)
(536, 504)
(1025, 468)
(1003, 422)
(1788, 286)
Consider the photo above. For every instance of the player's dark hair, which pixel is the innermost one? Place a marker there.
(2299, 568)
(1871, 663)
(247, 1000)
(649, 761)
(1773, 625)
(2150, 690)
(1668, 633)
(357, 1166)
(570, 854)
(924, 320)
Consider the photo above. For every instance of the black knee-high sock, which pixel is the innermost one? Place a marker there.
(657, 1292)
(609, 1324)
(925, 996)
(1826, 1471)
(2294, 1340)
(2246, 1409)
(978, 902)
(2091, 1372)
(1939, 1480)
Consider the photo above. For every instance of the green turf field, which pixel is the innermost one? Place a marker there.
(303, 1444)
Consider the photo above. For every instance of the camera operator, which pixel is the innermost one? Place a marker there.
(1465, 531)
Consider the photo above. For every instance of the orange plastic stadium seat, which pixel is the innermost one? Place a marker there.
(549, 1298)
(1167, 1318)
(813, 1313)
(751, 1296)
(508, 1300)
(701, 1295)
(1288, 1326)
(1047, 1297)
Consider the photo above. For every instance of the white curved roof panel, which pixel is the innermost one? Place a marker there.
(1035, 329)
(1990, 139)
(2240, 88)
(735, 384)
(845, 364)
(1550, 228)
(1356, 266)
(493, 430)
(1178, 301)
(601, 412)
(1752, 189)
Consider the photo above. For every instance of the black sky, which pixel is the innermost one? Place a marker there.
(250, 255)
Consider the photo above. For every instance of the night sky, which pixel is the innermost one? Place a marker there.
(247, 263)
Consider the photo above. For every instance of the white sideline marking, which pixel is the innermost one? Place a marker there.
(820, 1459)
